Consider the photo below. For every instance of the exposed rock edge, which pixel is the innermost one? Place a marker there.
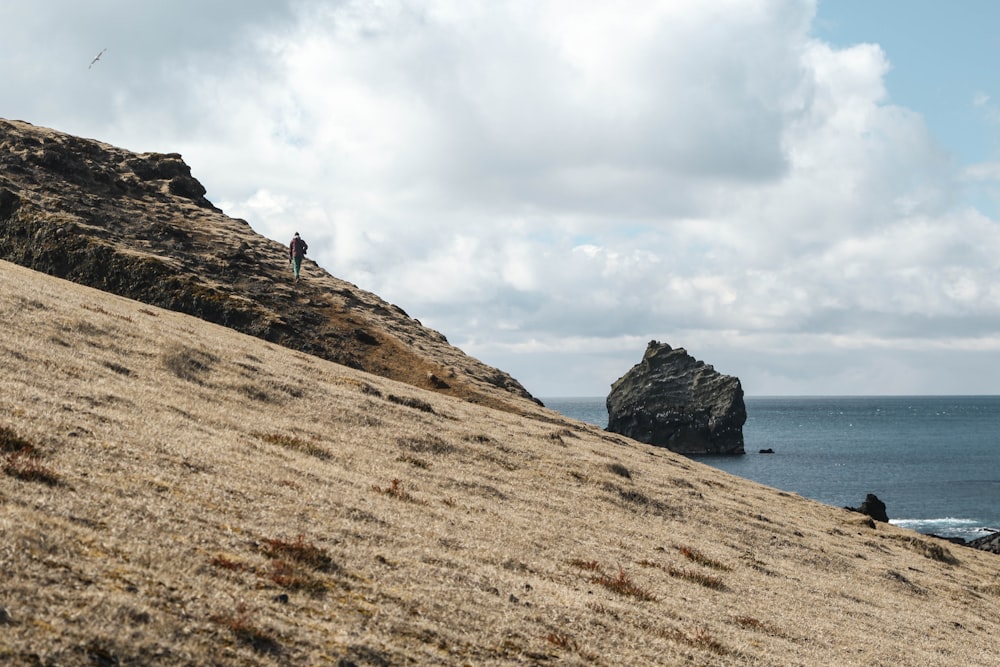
(139, 225)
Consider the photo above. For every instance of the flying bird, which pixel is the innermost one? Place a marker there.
(96, 58)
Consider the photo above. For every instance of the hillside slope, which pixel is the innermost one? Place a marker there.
(138, 225)
(176, 493)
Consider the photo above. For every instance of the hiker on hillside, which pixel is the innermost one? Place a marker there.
(296, 251)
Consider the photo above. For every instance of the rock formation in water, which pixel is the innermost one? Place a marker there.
(872, 507)
(672, 400)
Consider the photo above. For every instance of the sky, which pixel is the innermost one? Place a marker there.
(802, 193)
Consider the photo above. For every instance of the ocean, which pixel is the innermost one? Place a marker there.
(933, 460)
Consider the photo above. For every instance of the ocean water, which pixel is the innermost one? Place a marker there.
(933, 460)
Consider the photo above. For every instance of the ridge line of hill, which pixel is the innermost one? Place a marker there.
(139, 225)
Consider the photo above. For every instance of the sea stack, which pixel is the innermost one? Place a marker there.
(672, 400)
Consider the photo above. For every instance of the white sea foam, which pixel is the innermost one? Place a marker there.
(967, 529)
(930, 523)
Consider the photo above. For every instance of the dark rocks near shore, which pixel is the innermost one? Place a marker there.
(672, 400)
(872, 507)
(989, 543)
(875, 509)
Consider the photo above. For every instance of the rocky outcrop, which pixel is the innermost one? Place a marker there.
(872, 507)
(990, 543)
(139, 225)
(672, 400)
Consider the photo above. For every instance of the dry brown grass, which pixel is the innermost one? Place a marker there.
(25, 464)
(195, 522)
(622, 584)
(21, 459)
(296, 443)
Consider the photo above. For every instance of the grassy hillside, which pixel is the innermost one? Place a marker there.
(176, 493)
(138, 225)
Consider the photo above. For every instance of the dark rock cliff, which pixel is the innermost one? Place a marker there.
(139, 225)
(672, 400)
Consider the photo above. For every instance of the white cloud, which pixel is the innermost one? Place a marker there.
(552, 184)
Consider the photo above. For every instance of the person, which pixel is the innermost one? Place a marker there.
(296, 251)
